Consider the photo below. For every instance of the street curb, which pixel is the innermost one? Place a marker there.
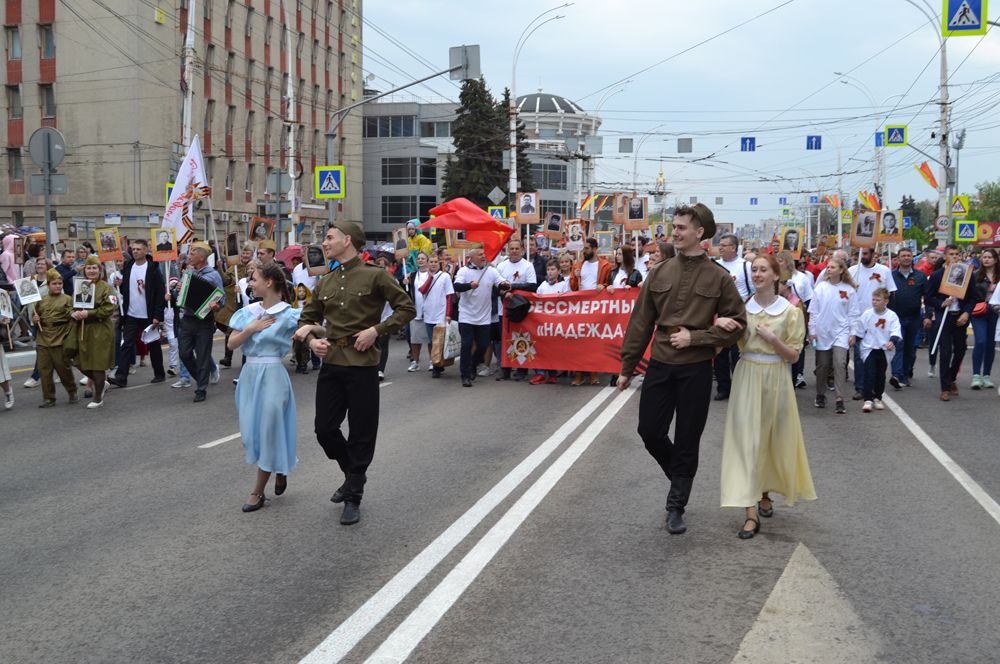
(21, 359)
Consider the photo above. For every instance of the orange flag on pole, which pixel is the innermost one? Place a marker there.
(927, 174)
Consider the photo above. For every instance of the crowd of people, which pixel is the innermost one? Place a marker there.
(757, 312)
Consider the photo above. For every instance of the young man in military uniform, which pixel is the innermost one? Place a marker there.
(677, 307)
(341, 325)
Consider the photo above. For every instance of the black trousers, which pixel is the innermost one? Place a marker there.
(130, 331)
(951, 348)
(685, 389)
(875, 366)
(350, 392)
(724, 366)
(194, 341)
(227, 354)
(472, 334)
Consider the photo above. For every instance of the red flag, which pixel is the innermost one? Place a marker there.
(461, 214)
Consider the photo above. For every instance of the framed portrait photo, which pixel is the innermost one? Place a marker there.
(791, 241)
(575, 235)
(6, 307)
(316, 263)
(605, 243)
(261, 229)
(864, 230)
(27, 290)
(233, 246)
(553, 225)
(890, 226)
(636, 213)
(955, 282)
(18, 250)
(164, 243)
(108, 245)
(83, 293)
(527, 207)
(618, 209)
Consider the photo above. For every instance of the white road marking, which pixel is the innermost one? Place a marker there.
(398, 646)
(347, 635)
(806, 619)
(224, 439)
(963, 478)
(134, 387)
(381, 385)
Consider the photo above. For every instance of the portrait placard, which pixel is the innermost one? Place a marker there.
(605, 243)
(955, 282)
(316, 263)
(553, 225)
(6, 307)
(18, 250)
(574, 235)
(261, 229)
(791, 241)
(618, 209)
(232, 246)
(27, 290)
(164, 243)
(108, 245)
(527, 207)
(83, 293)
(864, 230)
(889, 227)
(635, 213)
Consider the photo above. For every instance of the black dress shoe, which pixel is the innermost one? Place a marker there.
(158, 379)
(118, 382)
(466, 382)
(253, 507)
(225, 363)
(338, 495)
(199, 396)
(675, 523)
(280, 484)
(767, 513)
(721, 397)
(350, 515)
(747, 534)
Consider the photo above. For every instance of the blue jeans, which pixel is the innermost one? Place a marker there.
(984, 330)
(906, 357)
(859, 369)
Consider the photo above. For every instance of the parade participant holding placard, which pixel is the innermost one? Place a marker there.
(143, 295)
(341, 324)
(950, 315)
(264, 398)
(95, 331)
(195, 337)
(677, 305)
(763, 449)
(53, 317)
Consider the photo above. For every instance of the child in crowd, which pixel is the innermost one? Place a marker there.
(831, 311)
(554, 284)
(878, 332)
(53, 318)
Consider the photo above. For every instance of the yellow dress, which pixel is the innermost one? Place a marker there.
(763, 449)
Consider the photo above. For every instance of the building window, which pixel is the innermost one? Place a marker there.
(209, 114)
(230, 175)
(15, 167)
(268, 26)
(248, 30)
(315, 103)
(13, 43)
(47, 41)
(329, 101)
(284, 38)
(206, 10)
(409, 170)
(389, 126)
(230, 119)
(301, 42)
(329, 58)
(47, 99)
(435, 129)
(315, 52)
(315, 145)
(209, 60)
(251, 172)
(250, 66)
(397, 210)
(249, 129)
(549, 176)
(565, 207)
(230, 63)
(229, 12)
(14, 108)
(209, 169)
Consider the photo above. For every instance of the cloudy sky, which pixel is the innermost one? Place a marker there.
(715, 71)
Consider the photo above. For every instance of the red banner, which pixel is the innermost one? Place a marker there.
(989, 234)
(580, 331)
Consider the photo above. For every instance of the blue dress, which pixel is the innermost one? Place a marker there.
(264, 398)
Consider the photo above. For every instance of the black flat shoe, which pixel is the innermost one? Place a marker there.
(118, 382)
(721, 397)
(280, 484)
(253, 507)
(768, 512)
(675, 523)
(338, 495)
(466, 382)
(748, 534)
(350, 515)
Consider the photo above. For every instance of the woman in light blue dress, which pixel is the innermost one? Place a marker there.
(264, 398)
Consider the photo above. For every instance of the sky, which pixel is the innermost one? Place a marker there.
(716, 71)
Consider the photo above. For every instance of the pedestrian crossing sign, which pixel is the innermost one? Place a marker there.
(959, 206)
(329, 182)
(847, 217)
(966, 231)
(498, 212)
(895, 136)
(786, 212)
(963, 17)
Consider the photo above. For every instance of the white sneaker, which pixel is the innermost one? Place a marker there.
(381, 375)
(8, 401)
(182, 383)
(878, 404)
(31, 382)
(867, 408)
(486, 371)
(930, 372)
(95, 404)
(413, 366)
(84, 380)
(214, 378)
(58, 380)
(430, 366)
(236, 381)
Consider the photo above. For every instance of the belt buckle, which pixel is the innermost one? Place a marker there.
(341, 343)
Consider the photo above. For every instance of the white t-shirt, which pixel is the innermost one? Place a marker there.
(642, 264)
(137, 291)
(739, 270)
(475, 306)
(802, 285)
(433, 307)
(521, 272)
(241, 290)
(588, 275)
(300, 275)
(870, 278)
(832, 313)
(876, 330)
(558, 288)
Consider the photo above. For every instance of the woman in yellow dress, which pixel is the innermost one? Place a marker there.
(763, 448)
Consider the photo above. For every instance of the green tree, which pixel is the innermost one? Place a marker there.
(477, 166)
(908, 206)
(525, 178)
(986, 207)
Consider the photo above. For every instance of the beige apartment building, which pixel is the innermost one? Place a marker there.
(109, 75)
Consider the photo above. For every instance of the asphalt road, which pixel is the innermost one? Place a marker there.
(502, 523)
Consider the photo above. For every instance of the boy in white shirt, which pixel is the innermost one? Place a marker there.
(553, 285)
(878, 331)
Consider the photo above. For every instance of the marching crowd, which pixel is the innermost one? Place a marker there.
(752, 314)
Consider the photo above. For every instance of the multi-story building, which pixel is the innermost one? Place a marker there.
(407, 144)
(109, 75)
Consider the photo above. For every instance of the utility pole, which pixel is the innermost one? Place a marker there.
(944, 204)
(290, 125)
(189, 74)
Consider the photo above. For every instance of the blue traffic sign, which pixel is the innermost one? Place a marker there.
(753, 201)
(814, 200)
(879, 139)
(907, 223)
(964, 17)
(814, 142)
(328, 182)
(783, 200)
(748, 144)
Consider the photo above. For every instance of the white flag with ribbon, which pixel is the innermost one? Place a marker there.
(190, 186)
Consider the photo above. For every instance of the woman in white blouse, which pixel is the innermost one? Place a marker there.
(832, 312)
(434, 292)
